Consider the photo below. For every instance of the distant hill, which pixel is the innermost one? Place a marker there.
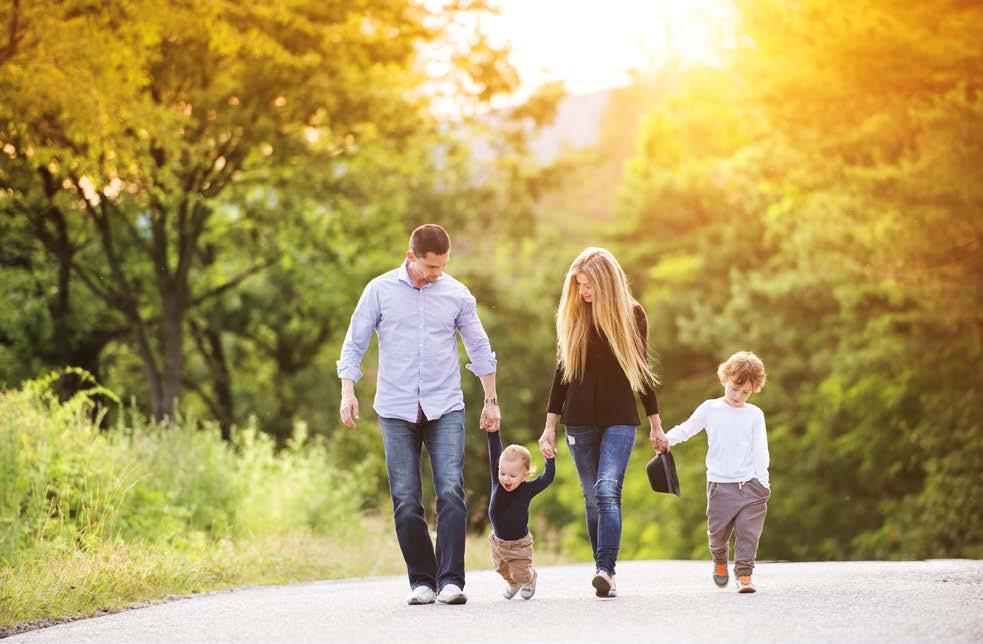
(577, 124)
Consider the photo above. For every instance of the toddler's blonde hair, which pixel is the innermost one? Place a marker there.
(743, 367)
(518, 453)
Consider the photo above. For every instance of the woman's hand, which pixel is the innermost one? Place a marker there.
(547, 442)
(658, 437)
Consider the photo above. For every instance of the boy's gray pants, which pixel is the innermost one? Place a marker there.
(738, 508)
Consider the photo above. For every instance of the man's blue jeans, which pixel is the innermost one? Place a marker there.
(601, 456)
(444, 439)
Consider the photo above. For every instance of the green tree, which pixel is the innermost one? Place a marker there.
(184, 114)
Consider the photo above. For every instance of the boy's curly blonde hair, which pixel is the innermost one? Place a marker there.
(743, 367)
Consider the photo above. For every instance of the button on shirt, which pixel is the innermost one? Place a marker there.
(417, 329)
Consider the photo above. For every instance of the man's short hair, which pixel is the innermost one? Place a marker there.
(429, 238)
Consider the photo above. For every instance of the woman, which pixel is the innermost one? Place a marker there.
(602, 360)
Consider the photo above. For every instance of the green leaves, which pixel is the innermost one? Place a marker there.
(820, 226)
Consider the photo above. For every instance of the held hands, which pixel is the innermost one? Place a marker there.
(547, 442)
(491, 417)
(660, 443)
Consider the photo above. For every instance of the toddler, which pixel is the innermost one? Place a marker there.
(508, 509)
(737, 466)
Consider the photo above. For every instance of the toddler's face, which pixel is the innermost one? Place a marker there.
(736, 395)
(511, 473)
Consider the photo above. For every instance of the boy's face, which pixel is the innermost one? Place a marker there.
(736, 395)
(511, 472)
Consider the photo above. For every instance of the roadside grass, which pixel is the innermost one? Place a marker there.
(96, 519)
(56, 586)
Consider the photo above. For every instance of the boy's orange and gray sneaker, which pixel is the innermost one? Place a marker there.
(720, 576)
(744, 584)
(510, 591)
(604, 584)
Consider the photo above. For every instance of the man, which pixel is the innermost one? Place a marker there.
(417, 311)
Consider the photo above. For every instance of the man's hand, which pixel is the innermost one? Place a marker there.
(349, 410)
(491, 417)
(349, 403)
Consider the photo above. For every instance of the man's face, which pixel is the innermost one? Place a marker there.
(429, 268)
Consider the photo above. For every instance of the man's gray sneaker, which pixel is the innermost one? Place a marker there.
(528, 590)
(452, 594)
(420, 595)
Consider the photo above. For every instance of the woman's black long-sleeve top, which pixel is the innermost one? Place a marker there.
(603, 396)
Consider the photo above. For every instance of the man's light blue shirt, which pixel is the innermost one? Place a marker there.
(417, 328)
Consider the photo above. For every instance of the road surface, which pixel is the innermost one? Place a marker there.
(669, 601)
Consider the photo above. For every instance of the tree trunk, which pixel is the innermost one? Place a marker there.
(222, 381)
(172, 349)
(208, 340)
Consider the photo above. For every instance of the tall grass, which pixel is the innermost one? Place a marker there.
(94, 517)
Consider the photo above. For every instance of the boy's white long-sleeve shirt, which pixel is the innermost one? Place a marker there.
(738, 443)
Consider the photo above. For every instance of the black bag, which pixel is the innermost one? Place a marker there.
(661, 471)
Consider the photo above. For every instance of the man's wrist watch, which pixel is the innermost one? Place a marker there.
(491, 401)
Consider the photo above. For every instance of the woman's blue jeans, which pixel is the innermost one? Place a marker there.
(444, 439)
(601, 456)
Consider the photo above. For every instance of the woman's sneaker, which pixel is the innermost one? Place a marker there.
(421, 595)
(604, 584)
(528, 590)
(510, 591)
(720, 576)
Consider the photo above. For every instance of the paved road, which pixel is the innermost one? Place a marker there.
(670, 601)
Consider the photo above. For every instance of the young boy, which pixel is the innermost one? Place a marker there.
(737, 466)
(511, 493)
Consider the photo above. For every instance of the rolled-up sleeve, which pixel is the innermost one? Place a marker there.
(475, 339)
(363, 324)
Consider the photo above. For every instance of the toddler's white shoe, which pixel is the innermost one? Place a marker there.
(528, 590)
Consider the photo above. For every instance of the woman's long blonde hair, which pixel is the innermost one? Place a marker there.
(611, 312)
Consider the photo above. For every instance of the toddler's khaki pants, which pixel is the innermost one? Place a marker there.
(512, 559)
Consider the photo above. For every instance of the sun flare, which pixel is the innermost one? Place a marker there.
(592, 45)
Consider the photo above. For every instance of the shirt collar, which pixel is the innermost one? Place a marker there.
(404, 273)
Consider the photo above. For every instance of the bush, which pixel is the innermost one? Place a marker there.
(69, 484)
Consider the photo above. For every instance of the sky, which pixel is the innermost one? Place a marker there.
(592, 44)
